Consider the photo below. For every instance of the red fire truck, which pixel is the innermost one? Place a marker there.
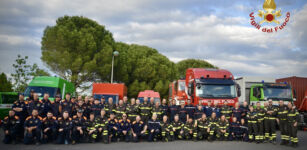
(177, 91)
(215, 85)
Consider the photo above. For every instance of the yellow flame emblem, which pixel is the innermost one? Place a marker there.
(270, 14)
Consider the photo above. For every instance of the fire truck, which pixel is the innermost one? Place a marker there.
(215, 85)
(177, 91)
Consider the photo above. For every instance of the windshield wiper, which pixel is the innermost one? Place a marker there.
(208, 95)
(225, 95)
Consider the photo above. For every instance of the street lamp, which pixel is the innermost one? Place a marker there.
(115, 53)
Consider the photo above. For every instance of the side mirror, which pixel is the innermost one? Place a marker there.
(198, 86)
(238, 90)
(294, 93)
(190, 89)
(258, 94)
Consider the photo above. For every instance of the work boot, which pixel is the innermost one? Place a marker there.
(282, 142)
(274, 141)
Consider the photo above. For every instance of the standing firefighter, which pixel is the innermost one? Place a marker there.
(260, 122)
(132, 110)
(226, 110)
(252, 125)
(292, 118)
(282, 121)
(145, 110)
(269, 122)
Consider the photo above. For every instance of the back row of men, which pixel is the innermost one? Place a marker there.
(92, 120)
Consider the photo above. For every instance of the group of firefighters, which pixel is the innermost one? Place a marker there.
(74, 121)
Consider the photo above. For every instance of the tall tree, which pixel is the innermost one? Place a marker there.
(6, 85)
(24, 73)
(78, 49)
(183, 65)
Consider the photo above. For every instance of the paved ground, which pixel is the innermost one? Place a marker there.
(177, 145)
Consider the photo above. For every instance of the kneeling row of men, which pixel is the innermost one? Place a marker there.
(65, 130)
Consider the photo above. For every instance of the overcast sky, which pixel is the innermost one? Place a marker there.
(218, 31)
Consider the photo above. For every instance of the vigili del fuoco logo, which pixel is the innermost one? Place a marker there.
(269, 15)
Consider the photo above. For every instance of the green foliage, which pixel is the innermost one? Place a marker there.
(142, 68)
(6, 85)
(183, 65)
(24, 73)
(78, 49)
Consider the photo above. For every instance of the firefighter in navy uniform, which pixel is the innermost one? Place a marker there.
(226, 110)
(202, 128)
(67, 105)
(20, 108)
(189, 130)
(132, 110)
(252, 119)
(102, 126)
(96, 107)
(213, 127)
(49, 128)
(234, 129)
(33, 126)
(64, 127)
(154, 128)
(124, 128)
(198, 112)
(245, 110)
(79, 127)
(46, 105)
(237, 111)
(269, 122)
(190, 108)
(56, 106)
(223, 131)
(292, 118)
(208, 109)
(35, 104)
(164, 107)
(113, 127)
(243, 131)
(91, 128)
(177, 129)
(282, 112)
(260, 122)
(80, 106)
(173, 110)
(145, 110)
(183, 114)
(157, 110)
(11, 126)
(120, 110)
(138, 129)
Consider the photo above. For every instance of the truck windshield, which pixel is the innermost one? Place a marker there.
(216, 91)
(277, 93)
(52, 91)
(181, 86)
